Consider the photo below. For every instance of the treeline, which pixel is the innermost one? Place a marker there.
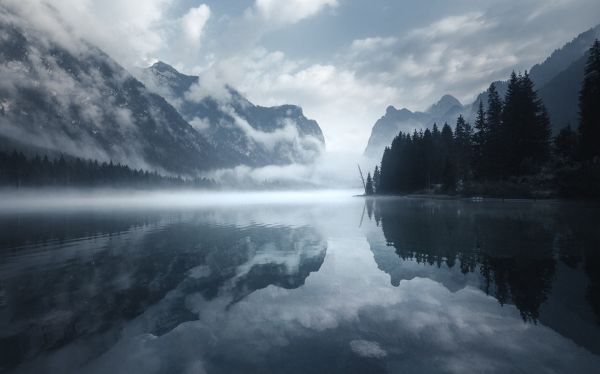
(508, 151)
(18, 171)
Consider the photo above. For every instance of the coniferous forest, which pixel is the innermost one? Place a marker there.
(19, 171)
(509, 151)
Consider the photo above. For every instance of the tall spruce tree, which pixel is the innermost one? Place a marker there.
(589, 106)
(525, 130)
(369, 185)
(463, 135)
(376, 179)
(480, 143)
(565, 145)
(494, 124)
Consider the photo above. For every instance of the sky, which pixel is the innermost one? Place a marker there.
(343, 61)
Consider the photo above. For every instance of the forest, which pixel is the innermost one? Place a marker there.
(19, 171)
(508, 152)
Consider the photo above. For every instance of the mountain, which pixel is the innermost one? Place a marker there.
(561, 95)
(250, 134)
(394, 121)
(557, 81)
(67, 96)
(61, 95)
(563, 57)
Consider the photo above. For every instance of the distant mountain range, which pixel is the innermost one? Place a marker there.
(557, 81)
(253, 135)
(66, 96)
(387, 127)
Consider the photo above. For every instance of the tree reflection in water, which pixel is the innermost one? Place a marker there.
(514, 246)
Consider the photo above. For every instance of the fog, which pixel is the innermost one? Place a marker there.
(329, 171)
(106, 199)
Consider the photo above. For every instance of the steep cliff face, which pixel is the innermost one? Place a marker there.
(66, 96)
(245, 133)
(72, 98)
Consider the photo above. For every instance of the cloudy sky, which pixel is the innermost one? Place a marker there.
(343, 61)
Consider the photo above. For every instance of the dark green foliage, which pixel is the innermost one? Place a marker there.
(16, 170)
(480, 143)
(508, 153)
(376, 179)
(525, 129)
(565, 145)
(463, 135)
(589, 107)
(369, 185)
(413, 161)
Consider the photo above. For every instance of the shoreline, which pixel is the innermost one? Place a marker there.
(477, 199)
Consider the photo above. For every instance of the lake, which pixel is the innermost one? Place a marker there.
(297, 282)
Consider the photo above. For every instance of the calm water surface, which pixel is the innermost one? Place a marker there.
(298, 283)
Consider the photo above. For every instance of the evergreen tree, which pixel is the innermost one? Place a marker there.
(16, 170)
(480, 143)
(494, 123)
(369, 185)
(376, 179)
(437, 160)
(525, 131)
(509, 128)
(589, 106)
(386, 178)
(565, 145)
(463, 135)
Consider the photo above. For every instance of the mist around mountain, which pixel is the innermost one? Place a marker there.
(69, 97)
(62, 96)
(557, 81)
(249, 134)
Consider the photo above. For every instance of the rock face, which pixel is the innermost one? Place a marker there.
(248, 134)
(70, 97)
(61, 95)
(394, 121)
(557, 80)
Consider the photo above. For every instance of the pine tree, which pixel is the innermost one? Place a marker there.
(589, 106)
(369, 185)
(480, 143)
(463, 134)
(565, 145)
(494, 124)
(376, 179)
(525, 130)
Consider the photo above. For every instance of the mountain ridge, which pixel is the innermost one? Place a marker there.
(557, 78)
(257, 135)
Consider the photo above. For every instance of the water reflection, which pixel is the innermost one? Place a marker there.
(311, 287)
(515, 248)
(84, 275)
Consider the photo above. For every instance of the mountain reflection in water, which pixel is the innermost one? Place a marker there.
(415, 285)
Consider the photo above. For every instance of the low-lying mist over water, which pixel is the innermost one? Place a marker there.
(110, 199)
(301, 282)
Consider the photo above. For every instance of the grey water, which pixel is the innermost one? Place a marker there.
(311, 282)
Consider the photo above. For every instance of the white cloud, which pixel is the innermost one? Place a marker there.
(130, 31)
(463, 24)
(290, 11)
(345, 89)
(369, 44)
(193, 22)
